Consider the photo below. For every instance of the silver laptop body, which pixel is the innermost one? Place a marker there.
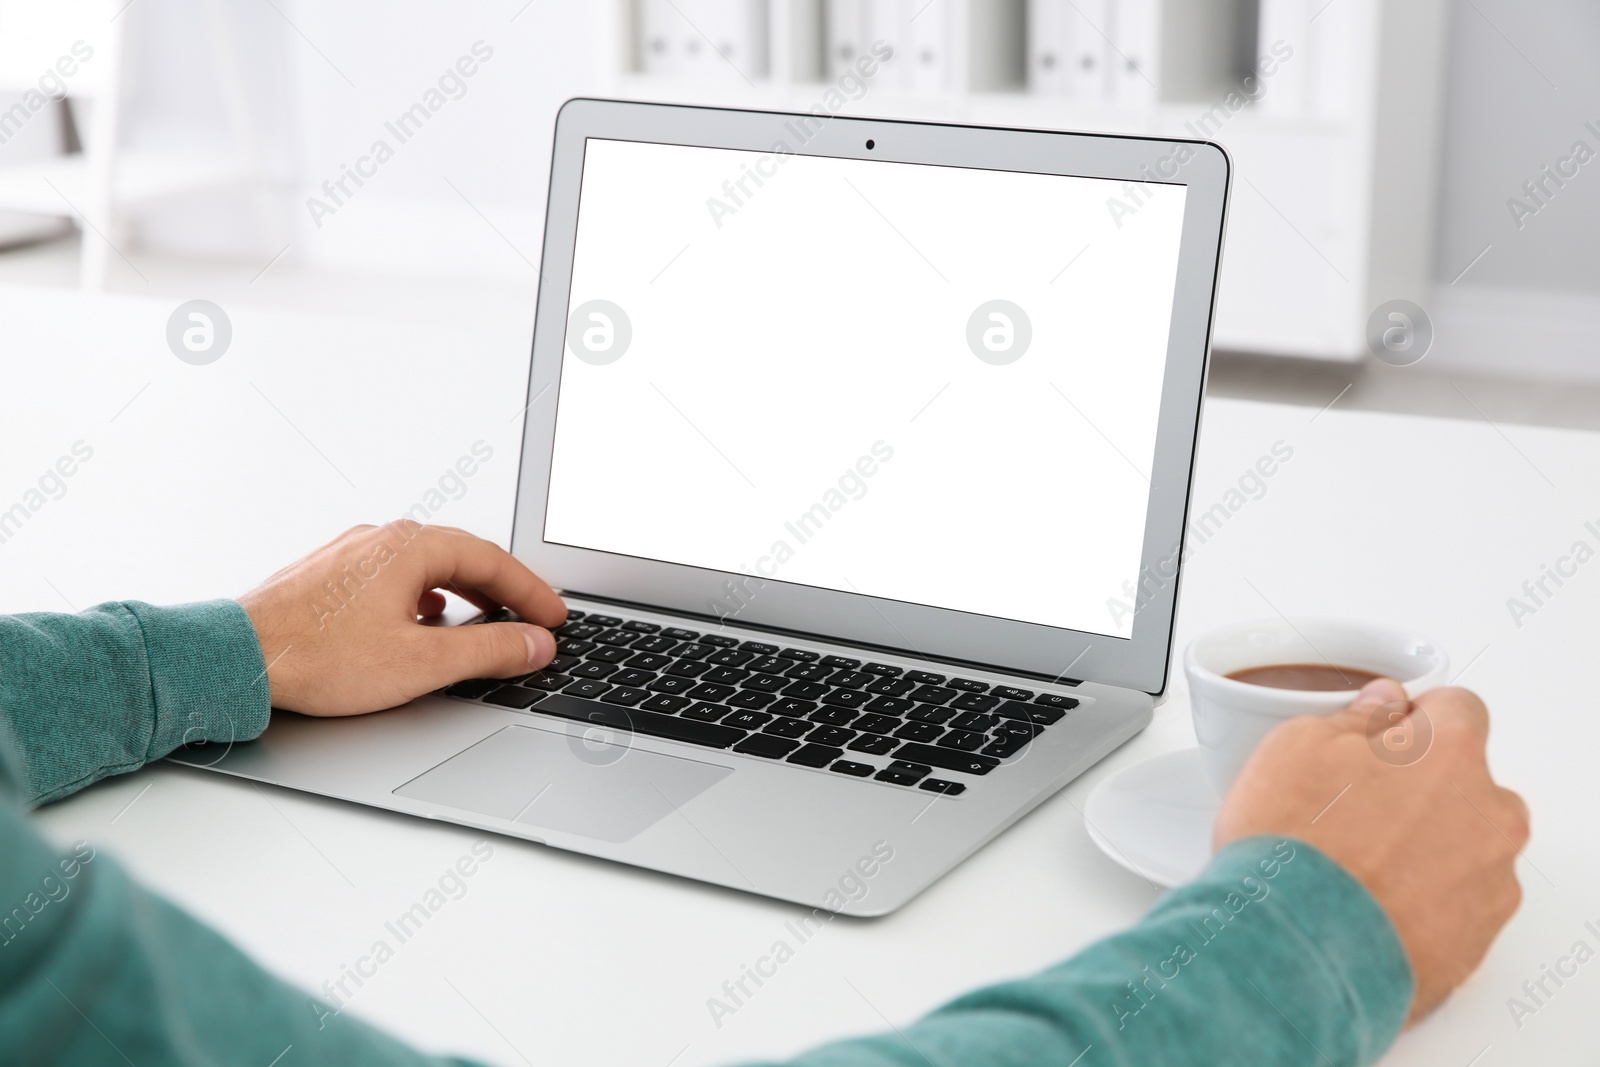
(861, 451)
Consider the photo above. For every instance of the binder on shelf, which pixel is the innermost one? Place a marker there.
(1133, 51)
(660, 39)
(883, 20)
(928, 64)
(1048, 54)
(706, 40)
(1084, 25)
(844, 30)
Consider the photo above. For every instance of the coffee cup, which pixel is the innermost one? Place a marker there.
(1231, 716)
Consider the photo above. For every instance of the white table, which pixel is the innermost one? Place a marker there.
(199, 488)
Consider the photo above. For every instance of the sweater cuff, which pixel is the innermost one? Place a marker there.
(1335, 922)
(208, 678)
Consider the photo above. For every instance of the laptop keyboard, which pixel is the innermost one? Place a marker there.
(903, 727)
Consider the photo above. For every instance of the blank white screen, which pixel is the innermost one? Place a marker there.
(799, 400)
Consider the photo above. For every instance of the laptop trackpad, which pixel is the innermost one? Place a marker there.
(569, 783)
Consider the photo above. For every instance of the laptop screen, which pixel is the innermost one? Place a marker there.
(931, 384)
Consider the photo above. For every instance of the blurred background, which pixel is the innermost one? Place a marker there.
(359, 188)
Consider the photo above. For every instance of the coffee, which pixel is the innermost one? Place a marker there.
(1313, 677)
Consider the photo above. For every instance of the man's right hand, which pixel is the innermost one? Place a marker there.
(1434, 840)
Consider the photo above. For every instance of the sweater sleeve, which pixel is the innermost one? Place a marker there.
(106, 691)
(1274, 955)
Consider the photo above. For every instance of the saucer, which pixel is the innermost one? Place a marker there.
(1155, 817)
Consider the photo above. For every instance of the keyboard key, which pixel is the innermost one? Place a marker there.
(731, 657)
(724, 675)
(798, 654)
(641, 627)
(626, 696)
(502, 615)
(669, 684)
(573, 614)
(890, 705)
(594, 669)
(876, 724)
(932, 694)
(748, 720)
(671, 727)
(809, 672)
(720, 641)
(973, 720)
(549, 682)
(918, 731)
(816, 755)
(854, 770)
(939, 785)
(830, 735)
(680, 634)
(880, 669)
(658, 643)
(609, 654)
(758, 648)
(846, 698)
(967, 685)
(873, 745)
(475, 688)
(764, 683)
(840, 661)
(805, 690)
(924, 678)
(948, 758)
(686, 668)
(908, 767)
(605, 620)
(851, 679)
(1006, 745)
(962, 740)
(1029, 730)
(591, 688)
(648, 662)
(797, 708)
(704, 712)
(633, 678)
(749, 698)
(666, 704)
(1034, 713)
(831, 716)
(974, 702)
(706, 691)
(784, 726)
(574, 648)
(562, 663)
(931, 713)
(895, 777)
(578, 630)
(1051, 700)
(694, 650)
(619, 638)
(768, 665)
(892, 687)
(513, 696)
(1006, 692)
(766, 746)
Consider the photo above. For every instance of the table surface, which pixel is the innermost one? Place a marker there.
(204, 480)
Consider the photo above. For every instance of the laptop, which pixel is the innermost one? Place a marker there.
(861, 452)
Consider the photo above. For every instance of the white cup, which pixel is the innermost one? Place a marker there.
(1231, 717)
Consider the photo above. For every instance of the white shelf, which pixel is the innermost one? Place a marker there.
(1333, 203)
(44, 187)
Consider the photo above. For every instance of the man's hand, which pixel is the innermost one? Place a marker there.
(1434, 840)
(340, 628)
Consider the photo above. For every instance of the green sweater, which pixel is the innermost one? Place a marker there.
(1274, 956)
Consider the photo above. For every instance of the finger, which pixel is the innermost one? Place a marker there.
(1455, 709)
(431, 604)
(1362, 713)
(483, 650)
(457, 559)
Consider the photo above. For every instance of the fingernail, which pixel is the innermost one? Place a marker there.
(1380, 691)
(541, 647)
